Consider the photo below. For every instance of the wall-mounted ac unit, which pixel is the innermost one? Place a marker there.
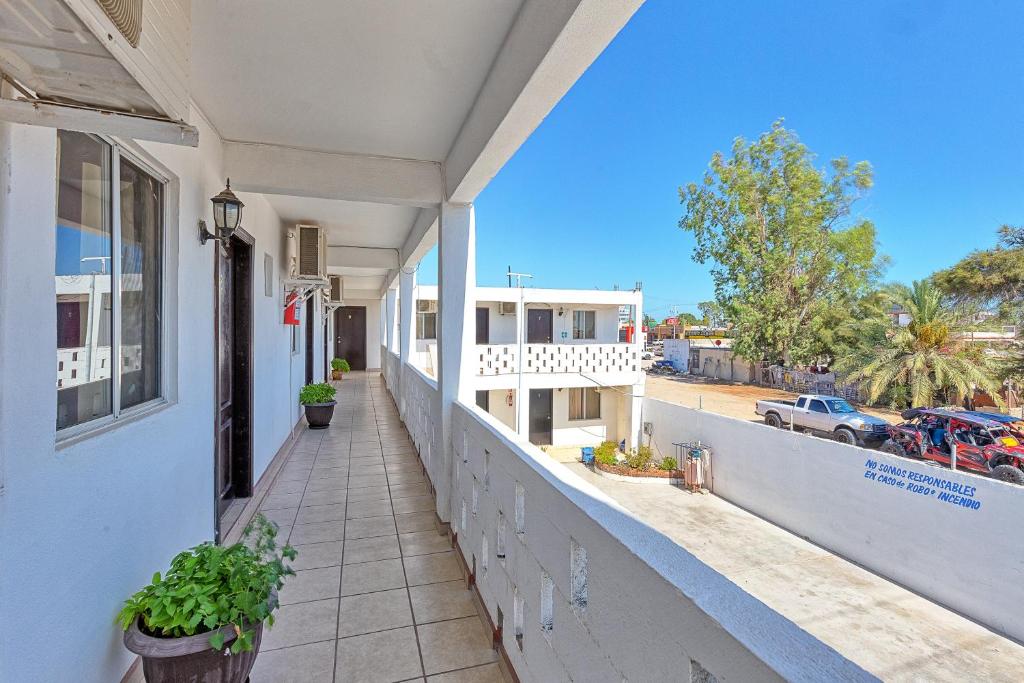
(507, 308)
(311, 252)
(336, 292)
(426, 306)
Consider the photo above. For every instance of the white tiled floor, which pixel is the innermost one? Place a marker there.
(378, 594)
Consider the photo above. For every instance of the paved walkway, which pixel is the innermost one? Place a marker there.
(890, 631)
(378, 594)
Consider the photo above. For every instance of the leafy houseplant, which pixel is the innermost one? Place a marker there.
(339, 366)
(212, 601)
(318, 402)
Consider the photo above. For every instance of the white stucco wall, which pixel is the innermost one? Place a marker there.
(566, 432)
(498, 406)
(967, 559)
(93, 519)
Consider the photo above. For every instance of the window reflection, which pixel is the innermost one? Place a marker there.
(83, 279)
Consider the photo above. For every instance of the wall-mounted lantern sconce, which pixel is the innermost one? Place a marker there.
(227, 215)
(561, 311)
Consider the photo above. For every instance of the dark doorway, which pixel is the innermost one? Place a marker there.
(483, 325)
(540, 416)
(350, 335)
(483, 400)
(539, 326)
(310, 326)
(327, 357)
(233, 420)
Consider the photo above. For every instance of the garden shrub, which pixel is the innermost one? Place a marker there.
(640, 459)
(605, 453)
(669, 463)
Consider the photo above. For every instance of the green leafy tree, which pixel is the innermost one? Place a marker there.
(711, 313)
(917, 364)
(649, 321)
(989, 278)
(783, 242)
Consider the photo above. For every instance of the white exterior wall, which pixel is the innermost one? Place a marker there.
(502, 328)
(102, 513)
(967, 559)
(566, 432)
(498, 406)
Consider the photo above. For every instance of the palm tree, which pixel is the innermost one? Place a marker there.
(917, 363)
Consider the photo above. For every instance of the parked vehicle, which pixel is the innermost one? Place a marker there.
(647, 355)
(825, 416)
(983, 445)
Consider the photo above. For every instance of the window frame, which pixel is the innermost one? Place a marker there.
(122, 150)
(583, 405)
(580, 336)
(421, 326)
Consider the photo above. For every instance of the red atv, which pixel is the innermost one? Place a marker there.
(982, 445)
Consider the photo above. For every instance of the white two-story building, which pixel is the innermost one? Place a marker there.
(548, 362)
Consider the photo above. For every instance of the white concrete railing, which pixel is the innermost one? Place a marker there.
(420, 407)
(390, 369)
(587, 359)
(75, 366)
(585, 591)
(886, 513)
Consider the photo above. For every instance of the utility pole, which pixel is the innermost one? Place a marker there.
(519, 337)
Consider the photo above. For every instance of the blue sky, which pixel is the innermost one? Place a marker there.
(931, 93)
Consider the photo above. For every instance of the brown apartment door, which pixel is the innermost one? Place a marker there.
(540, 416)
(233, 330)
(310, 326)
(483, 325)
(350, 335)
(539, 326)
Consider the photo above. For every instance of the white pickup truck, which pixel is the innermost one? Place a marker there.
(826, 416)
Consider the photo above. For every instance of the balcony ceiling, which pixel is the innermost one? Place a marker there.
(378, 77)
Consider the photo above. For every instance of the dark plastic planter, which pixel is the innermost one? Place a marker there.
(319, 415)
(174, 660)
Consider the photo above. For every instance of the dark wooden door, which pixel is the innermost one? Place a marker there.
(350, 335)
(483, 325)
(233, 329)
(539, 326)
(309, 340)
(540, 416)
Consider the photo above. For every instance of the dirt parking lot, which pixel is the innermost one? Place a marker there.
(727, 398)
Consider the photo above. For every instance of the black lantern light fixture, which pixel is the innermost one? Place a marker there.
(227, 216)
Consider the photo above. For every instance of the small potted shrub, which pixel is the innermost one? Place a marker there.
(318, 400)
(203, 619)
(339, 366)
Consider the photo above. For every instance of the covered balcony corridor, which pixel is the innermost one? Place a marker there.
(378, 592)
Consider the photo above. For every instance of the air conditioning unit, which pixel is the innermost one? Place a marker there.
(336, 292)
(311, 252)
(426, 306)
(507, 308)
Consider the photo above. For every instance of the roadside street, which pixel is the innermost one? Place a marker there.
(728, 398)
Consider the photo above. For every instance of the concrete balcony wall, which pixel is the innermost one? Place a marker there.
(866, 506)
(587, 592)
(605, 363)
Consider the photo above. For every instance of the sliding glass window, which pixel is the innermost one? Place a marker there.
(95, 248)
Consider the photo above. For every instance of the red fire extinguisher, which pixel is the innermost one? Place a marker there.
(291, 310)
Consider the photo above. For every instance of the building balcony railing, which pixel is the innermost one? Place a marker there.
(588, 359)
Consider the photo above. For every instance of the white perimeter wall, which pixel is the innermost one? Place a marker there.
(971, 560)
(82, 526)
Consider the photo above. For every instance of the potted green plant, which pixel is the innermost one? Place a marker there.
(339, 366)
(318, 401)
(203, 619)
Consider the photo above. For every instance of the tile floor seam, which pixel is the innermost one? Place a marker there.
(405, 575)
(341, 573)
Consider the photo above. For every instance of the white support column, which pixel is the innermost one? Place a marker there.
(522, 393)
(456, 332)
(406, 327)
(636, 426)
(390, 301)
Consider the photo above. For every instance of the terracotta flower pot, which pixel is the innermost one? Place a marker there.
(191, 658)
(318, 415)
(336, 375)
